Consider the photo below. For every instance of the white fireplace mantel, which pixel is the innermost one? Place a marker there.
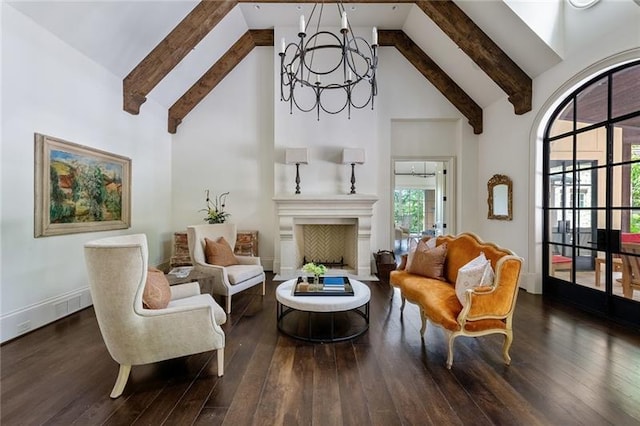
(322, 209)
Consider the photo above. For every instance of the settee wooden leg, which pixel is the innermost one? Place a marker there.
(424, 323)
(220, 362)
(508, 338)
(451, 338)
(121, 381)
(263, 287)
(228, 304)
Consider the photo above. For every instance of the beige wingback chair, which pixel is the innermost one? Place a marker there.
(134, 335)
(227, 280)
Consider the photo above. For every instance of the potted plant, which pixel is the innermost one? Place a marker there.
(215, 208)
(314, 269)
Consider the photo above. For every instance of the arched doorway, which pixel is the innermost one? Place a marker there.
(591, 195)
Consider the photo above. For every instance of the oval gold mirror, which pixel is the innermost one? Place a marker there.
(500, 192)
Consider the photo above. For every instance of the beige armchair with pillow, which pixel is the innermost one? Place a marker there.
(142, 320)
(210, 248)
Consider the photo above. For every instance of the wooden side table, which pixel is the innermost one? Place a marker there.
(180, 250)
(247, 243)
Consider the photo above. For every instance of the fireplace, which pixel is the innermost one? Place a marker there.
(327, 229)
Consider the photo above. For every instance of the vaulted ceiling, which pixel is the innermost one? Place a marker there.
(176, 52)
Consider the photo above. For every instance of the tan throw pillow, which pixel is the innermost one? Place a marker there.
(429, 262)
(413, 245)
(219, 252)
(157, 292)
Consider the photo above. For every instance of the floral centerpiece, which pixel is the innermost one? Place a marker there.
(314, 269)
(215, 208)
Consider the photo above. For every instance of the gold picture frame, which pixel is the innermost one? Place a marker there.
(79, 189)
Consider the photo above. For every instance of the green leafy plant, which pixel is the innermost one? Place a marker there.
(215, 208)
(314, 269)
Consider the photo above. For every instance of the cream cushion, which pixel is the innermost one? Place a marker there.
(240, 273)
(202, 300)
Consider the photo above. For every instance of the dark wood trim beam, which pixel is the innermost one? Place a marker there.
(484, 52)
(216, 74)
(435, 75)
(262, 37)
(171, 50)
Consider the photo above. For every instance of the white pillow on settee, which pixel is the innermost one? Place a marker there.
(478, 272)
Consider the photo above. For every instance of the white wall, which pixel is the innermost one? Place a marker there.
(49, 88)
(417, 121)
(226, 144)
(511, 145)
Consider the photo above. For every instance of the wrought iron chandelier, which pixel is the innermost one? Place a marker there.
(328, 72)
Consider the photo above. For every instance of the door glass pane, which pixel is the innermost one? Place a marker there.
(560, 230)
(592, 104)
(627, 271)
(590, 270)
(561, 262)
(561, 149)
(599, 190)
(592, 148)
(560, 190)
(625, 88)
(563, 122)
(585, 231)
(585, 188)
(626, 185)
(626, 140)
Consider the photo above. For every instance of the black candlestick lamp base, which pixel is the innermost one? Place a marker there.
(297, 178)
(353, 178)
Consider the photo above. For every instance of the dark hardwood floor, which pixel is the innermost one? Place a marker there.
(568, 368)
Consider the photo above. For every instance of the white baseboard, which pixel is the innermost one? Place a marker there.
(22, 321)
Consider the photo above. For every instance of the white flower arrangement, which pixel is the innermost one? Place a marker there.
(314, 269)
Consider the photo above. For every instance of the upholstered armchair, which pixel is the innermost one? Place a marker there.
(134, 335)
(230, 279)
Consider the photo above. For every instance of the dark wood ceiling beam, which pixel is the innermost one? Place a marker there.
(329, 1)
(427, 67)
(216, 74)
(171, 50)
(482, 50)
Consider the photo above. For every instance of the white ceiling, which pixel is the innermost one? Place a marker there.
(119, 34)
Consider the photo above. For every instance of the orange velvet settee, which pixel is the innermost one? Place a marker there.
(487, 310)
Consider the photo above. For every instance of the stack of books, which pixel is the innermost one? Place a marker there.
(334, 284)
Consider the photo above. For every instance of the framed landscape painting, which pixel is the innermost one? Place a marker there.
(79, 189)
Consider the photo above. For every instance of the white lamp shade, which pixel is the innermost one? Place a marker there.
(296, 156)
(353, 155)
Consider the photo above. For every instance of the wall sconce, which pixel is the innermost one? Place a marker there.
(353, 156)
(296, 156)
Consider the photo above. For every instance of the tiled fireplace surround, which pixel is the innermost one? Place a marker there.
(353, 210)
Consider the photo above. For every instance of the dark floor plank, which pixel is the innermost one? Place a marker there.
(327, 407)
(353, 403)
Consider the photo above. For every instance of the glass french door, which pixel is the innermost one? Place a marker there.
(592, 196)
